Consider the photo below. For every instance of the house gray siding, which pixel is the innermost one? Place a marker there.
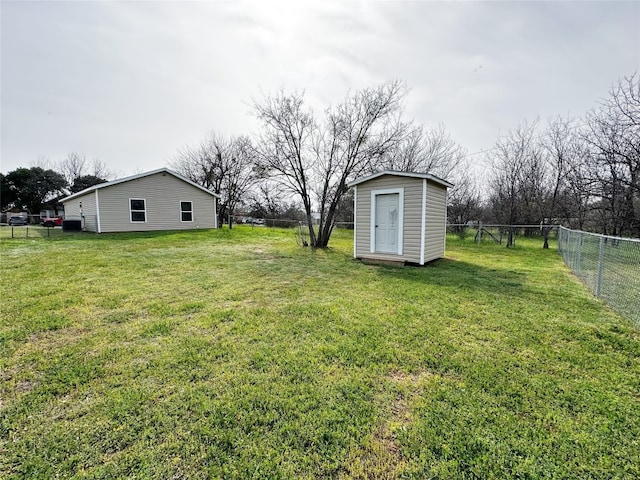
(435, 223)
(89, 211)
(411, 222)
(435, 213)
(162, 194)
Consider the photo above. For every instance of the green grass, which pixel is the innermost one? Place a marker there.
(236, 354)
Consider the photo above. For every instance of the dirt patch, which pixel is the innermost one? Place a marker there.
(413, 378)
(380, 456)
(26, 386)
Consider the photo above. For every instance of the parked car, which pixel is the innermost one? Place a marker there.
(51, 221)
(17, 220)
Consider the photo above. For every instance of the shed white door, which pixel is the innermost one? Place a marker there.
(386, 228)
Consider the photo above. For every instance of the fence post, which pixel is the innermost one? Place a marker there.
(559, 235)
(600, 259)
(575, 246)
(561, 241)
(579, 254)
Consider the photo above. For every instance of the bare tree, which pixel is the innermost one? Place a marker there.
(72, 167)
(314, 161)
(81, 174)
(266, 200)
(588, 177)
(517, 183)
(464, 201)
(613, 135)
(556, 146)
(43, 162)
(238, 175)
(269, 201)
(426, 151)
(100, 169)
(626, 99)
(223, 165)
(198, 164)
(570, 164)
(434, 151)
(285, 146)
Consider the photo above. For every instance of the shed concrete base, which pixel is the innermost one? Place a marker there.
(381, 261)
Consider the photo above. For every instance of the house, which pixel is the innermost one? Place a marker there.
(53, 208)
(156, 200)
(400, 217)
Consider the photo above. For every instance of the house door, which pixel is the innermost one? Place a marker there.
(386, 227)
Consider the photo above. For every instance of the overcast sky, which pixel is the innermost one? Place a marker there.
(130, 83)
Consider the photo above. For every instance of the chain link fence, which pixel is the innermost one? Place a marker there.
(481, 233)
(8, 232)
(33, 230)
(609, 266)
(280, 222)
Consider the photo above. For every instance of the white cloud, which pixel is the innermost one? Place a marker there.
(132, 82)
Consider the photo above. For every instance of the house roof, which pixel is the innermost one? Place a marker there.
(428, 176)
(135, 177)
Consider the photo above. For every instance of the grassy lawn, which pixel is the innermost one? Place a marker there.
(236, 354)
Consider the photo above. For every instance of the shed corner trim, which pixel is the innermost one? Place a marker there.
(423, 222)
(98, 226)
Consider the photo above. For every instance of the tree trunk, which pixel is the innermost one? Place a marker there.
(312, 233)
(545, 235)
(221, 214)
(323, 238)
(324, 233)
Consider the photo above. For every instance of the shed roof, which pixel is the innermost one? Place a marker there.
(428, 176)
(135, 177)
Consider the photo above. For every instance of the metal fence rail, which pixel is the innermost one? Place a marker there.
(609, 266)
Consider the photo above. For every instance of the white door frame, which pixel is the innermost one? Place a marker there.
(372, 235)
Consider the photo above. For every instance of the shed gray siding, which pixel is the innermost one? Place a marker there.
(436, 221)
(411, 223)
(162, 194)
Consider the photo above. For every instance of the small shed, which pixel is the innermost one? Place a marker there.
(155, 200)
(400, 217)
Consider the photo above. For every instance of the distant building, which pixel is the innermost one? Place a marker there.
(53, 208)
(155, 200)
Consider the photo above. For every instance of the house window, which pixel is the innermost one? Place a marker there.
(138, 209)
(186, 211)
